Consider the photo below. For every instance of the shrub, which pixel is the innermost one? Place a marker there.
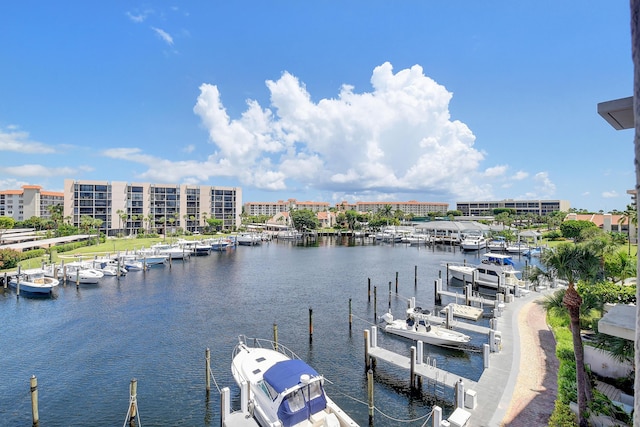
(567, 391)
(562, 416)
(9, 258)
(553, 235)
(34, 253)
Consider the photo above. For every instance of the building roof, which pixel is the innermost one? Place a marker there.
(597, 219)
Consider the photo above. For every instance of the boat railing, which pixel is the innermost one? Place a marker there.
(265, 343)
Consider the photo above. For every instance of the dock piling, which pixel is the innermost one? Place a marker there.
(207, 359)
(350, 315)
(370, 395)
(366, 351)
(412, 369)
(275, 335)
(34, 401)
(18, 283)
(225, 404)
(436, 417)
(132, 413)
(310, 323)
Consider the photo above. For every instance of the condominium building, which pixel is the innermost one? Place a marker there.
(417, 209)
(29, 201)
(128, 207)
(521, 207)
(274, 208)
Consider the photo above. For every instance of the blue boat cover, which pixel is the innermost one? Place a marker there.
(286, 374)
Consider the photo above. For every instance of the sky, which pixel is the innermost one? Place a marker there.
(434, 101)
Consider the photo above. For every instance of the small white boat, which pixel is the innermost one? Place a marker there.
(289, 235)
(34, 282)
(220, 244)
(171, 251)
(497, 244)
(473, 242)
(517, 248)
(418, 327)
(108, 267)
(150, 257)
(248, 239)
(284, 390)
(80, 273)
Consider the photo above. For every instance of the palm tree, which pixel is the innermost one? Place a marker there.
(630, 216)
(573, 263)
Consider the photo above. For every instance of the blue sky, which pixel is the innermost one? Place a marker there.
(321, 100)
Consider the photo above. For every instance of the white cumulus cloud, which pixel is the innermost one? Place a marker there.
(396, 138)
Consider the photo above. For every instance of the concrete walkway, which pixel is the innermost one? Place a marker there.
(519, 387)
(533, 398)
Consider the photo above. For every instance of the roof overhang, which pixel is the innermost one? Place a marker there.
(619, 321)
(618, 113)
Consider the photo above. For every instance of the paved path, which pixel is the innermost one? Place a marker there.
(534, 395)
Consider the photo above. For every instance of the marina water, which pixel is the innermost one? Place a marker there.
(86, 344)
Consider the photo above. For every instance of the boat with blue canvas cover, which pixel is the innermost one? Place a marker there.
(284, 390)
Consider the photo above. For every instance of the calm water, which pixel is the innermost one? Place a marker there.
(85, 345)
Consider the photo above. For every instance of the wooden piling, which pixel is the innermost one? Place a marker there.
(415, 276)
(310, 323)
(18, 283)
(412, 369)
(367, 359)
(133, 410)
(436, 293)
(369, 290)
(375, 302)
(34, 401)
(396, 282)
(389, 295)
(350, 315)
(370, 395)
(207, 361)
(275, 335)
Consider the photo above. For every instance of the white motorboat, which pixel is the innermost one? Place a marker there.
(497, 244)
(220, 244)
(80, 273)
(150, 257)
(517, 248)
(418, 327)
(493, 270)
(289, 235)
(108, 267)
(473, 242)
(34, 282)
(283, 390)
(171, 251)
(248, 239)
